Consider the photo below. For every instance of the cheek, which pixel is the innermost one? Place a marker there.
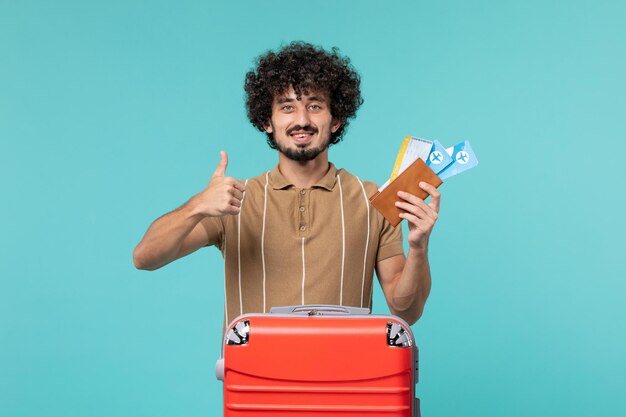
(323, 122)
(279, 123)
(276, 124)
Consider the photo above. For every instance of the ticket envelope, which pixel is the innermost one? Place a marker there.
(385, 200)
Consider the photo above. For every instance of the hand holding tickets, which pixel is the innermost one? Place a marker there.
(421, 160)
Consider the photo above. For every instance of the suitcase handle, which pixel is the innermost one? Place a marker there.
(320, 310)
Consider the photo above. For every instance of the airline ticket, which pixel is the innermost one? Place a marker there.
(445, 162)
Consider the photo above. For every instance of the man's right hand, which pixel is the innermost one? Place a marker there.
(222, 196)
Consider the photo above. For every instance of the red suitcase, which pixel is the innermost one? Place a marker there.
(319, 361)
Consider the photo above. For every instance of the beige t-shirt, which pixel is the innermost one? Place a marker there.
(291, 246)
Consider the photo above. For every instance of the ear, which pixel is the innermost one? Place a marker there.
(268, 127)
(335, 126)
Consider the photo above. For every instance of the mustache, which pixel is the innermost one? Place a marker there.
(307, 128)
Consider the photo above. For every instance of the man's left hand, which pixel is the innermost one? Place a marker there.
(420, 216)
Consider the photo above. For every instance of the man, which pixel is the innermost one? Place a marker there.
(304, 232)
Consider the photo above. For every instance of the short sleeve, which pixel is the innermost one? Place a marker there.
(214, 227)
(390, 240)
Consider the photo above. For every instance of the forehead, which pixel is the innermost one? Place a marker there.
(305, 95)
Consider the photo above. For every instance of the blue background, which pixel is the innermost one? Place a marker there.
(113, 113)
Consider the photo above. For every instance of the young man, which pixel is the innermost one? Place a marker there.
(303, 232)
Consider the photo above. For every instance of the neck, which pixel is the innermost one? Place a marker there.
(303, 174)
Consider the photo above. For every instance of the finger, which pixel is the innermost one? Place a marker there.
(432, 213)
(236, 193)
(416, 201)
(411, 219)
(409, 197)
(230, 209)
(414, 221)
(239, 185)
(415, 210)
(234, 202)
(221, 167)
(434, 193)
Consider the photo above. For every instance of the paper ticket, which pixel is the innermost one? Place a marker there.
(445, 162)
(439, 158)
(463, 158)
(411, 149)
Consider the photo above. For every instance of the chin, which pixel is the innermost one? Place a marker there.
(302, 154)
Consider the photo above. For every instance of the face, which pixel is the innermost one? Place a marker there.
(301, 128)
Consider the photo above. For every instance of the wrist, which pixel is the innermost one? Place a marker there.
(419, 250)
(194, 208)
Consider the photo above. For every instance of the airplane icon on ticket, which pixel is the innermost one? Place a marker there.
(464, 159)
(436, 157)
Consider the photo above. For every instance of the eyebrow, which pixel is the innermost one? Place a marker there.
(317, 98)
(282, 100)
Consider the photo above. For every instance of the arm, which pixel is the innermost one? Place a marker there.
(406, 281)
(179, 232)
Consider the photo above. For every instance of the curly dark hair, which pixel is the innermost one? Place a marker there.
(307, 69)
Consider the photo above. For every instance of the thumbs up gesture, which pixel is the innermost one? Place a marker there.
(223, 195)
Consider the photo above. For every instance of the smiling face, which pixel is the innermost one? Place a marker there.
(301, 128)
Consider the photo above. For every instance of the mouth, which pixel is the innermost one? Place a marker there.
(301, 136)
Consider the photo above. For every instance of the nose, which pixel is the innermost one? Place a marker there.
(302, 117)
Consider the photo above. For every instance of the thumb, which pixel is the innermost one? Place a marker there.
(221, 167)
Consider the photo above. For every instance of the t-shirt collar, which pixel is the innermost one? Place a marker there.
(279, 182)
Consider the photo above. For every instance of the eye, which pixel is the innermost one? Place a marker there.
(287, 107)
(315, 107)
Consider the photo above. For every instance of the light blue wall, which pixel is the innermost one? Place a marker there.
(112, 114)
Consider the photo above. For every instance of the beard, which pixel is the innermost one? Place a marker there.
(302, 153)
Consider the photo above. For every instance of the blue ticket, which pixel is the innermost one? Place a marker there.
(463, 158)
(438, 159)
